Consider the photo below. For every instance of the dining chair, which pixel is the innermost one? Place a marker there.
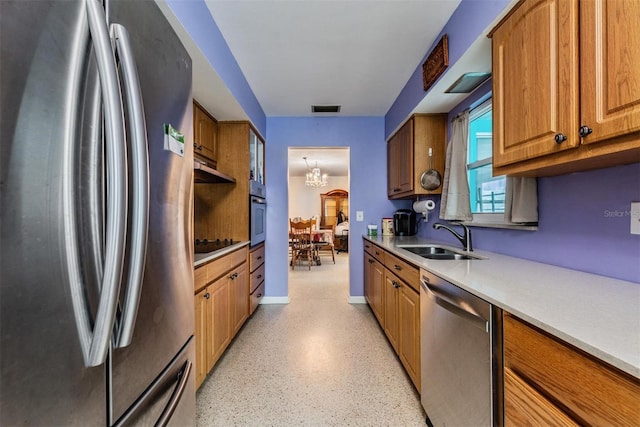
(326, 243)
(302, 246)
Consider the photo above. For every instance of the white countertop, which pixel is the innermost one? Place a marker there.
(203, 258)
(597, 314)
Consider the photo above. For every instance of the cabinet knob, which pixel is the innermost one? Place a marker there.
(207, 295)
(584, 131)
(560, 138)
(370, 261)
(397, 267)
(395, 284)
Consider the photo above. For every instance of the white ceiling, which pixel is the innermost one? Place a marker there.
(355, 53)
(332, 161)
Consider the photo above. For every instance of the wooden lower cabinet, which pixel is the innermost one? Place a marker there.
(409, 331)
(204, 321)
(549, 382)
(221, 307)
(256, 276)
(374, 286)
(239, 294)
(525, 406)
(396, 304)
(220, 333)
(391, 309)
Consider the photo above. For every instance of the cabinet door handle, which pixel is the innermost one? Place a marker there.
(259, 295)
(395, 284)
(260, 257)
(584, 131)
(397, 267)
(259, 276)
(560, 138)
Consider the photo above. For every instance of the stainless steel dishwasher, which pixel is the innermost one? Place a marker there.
(460, 355)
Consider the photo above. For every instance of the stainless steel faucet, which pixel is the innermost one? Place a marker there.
(464, 238)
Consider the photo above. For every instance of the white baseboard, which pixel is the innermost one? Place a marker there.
(357, 300)
(274, 300)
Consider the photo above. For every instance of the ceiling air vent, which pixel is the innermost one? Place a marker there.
(325, 108)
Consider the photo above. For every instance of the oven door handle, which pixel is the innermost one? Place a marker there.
(258, 201)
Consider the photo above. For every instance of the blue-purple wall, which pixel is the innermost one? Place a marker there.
(367, 192)
(583, 224)
(197, 20)
(469, 21)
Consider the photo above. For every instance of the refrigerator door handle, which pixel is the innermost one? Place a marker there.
(139, 186)
(165, 417)
(96, 344)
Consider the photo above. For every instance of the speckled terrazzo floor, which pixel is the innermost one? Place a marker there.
(317, 361)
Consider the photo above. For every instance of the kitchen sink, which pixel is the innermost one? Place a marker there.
(437, 252)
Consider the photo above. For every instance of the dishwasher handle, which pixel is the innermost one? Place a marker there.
(455, 307)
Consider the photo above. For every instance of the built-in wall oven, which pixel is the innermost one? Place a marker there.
(258, 213)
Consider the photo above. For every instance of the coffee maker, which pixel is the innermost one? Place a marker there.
(405, 223)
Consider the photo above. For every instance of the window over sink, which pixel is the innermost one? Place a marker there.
(486, 191)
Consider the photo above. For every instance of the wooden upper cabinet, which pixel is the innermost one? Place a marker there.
(535, 81)
(610, 68)
(408, 155)
(566, 91)
(205, 141)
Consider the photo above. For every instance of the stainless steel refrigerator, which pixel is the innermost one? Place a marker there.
(96, 283)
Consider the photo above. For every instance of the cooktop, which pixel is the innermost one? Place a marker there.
(210, 245)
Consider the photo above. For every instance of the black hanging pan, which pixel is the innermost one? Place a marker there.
(431, 178)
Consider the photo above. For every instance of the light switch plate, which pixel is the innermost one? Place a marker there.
(359, 216)
(635, 217)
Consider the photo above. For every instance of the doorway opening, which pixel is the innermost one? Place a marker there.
(327, 205)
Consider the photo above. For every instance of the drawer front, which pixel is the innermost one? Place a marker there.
(592, 391)
(257, 277)
(200, 278)
(524, 406)
(256, 258)
(404, 270)
(225, 263)
(376, 251)
(256, 296)
(207, 273)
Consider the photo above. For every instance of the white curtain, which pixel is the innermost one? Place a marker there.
(521, 200)
(455, 204)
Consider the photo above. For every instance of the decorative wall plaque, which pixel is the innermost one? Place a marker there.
(436, 63)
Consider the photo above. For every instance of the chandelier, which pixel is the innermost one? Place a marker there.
(314, 177)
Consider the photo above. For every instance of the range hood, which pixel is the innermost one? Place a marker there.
(206, 174)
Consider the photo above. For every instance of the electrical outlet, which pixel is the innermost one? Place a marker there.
(359, 216)
(635, 217)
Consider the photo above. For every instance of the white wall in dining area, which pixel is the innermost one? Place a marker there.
(304, 202)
